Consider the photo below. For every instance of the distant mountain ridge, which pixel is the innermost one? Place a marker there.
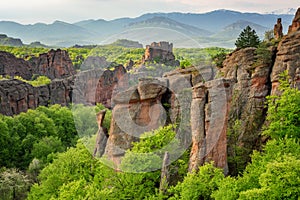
(205, 28)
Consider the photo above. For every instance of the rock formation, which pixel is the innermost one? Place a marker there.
(102, 135)
(137, 110)
(95, 62)
(54, 64)
(209, 121)
(296, 23)
(97, 86)
(287, 57)
(161, 52)
(12, 66)
(278, 29)
(17, 96)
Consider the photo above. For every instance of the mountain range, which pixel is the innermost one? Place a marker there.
(216, 28)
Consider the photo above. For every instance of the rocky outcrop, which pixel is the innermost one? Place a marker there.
(161, 52)
(209, 121)
(54, 64)
(278, 29)
(95, 62)
(17, 96)
(137, 110)
(102, 135)
(90, 87)
(287, 58)
(247, 110)
(296, 23)
(12, 66)
(97, 86)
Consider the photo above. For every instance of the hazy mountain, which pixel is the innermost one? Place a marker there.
(218, 19)
(57, 33)
(233, 30)
(8, 41)
(167, 23)
(287, 11)
(223, 25)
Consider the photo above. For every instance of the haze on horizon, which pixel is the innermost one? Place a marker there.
(33, 11)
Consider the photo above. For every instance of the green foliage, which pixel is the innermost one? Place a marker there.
(283, 112)
(280, 180)
(198, 185)
(13, 184)
(219, 58)
(108, 115)
(43, 148)
(40, 80)
(247, 38)
(198, 56)
(156, 140)
(263, 54)
(64, 174)
(36, 133)
(185, 63)
(63, 121)
(269, 35)
(85, 120)
(25, 52)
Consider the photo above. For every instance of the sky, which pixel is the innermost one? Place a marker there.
(33, 11)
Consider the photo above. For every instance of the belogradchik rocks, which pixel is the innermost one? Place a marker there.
(220, 119)
(17, 96)
(161, 52)
(54, 64)
(226, 115)
(12, 66)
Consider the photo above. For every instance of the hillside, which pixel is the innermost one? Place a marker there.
(8, 41)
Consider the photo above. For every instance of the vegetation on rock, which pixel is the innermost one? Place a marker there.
(247, 38)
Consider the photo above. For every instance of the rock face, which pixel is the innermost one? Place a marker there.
(90, 87)
(161, 52)
(247, 111)
(102, 135)
(17, 96)
(12, 66)
(54, 64)
(278, 29)
(296, 23)
(287, 58)
(95, 62)
(137, 110)
(209, 121)
(97, 86)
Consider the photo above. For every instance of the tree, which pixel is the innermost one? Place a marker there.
(13, 184)
(247, 38)
(198, 185)
(283, 112)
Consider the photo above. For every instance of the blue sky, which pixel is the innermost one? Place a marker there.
(32, 11)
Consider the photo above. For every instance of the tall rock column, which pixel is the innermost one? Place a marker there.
(209, 117)
(137, 110)
(287, 57)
